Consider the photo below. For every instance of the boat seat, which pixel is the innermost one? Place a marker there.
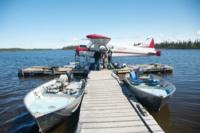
(134, 79)
(71, 91)
(152, 82)
(53, 91)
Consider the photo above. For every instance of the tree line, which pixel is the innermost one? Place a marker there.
(71, 47)
(179, 45)
(24, 49)
(165, 45)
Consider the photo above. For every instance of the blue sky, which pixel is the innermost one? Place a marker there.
(57, 23)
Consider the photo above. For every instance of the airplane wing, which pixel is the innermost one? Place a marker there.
(98, 39)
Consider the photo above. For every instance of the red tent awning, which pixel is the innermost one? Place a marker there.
(96, 36)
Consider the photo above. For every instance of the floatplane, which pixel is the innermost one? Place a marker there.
(99, 41)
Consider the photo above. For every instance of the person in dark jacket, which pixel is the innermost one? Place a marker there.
(97, 58)
(109, 56)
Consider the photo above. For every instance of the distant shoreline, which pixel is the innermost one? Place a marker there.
(163, 45)
(21, 49)
(71, 47)
(179, 45)
(35, 49)
(24, 49)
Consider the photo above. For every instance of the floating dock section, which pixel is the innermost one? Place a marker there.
(38, 71)
(152, 68)
(109, 108)
(35, 71)
(43, 71)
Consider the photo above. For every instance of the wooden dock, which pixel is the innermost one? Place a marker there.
(38, 71)
(109, 108)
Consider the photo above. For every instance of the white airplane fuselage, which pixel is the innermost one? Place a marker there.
(133, 51)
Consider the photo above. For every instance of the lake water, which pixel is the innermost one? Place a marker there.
(181, 114)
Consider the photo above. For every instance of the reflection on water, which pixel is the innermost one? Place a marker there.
(181, 114)
(163, 117)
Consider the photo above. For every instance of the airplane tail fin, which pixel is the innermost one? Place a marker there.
(152, 45)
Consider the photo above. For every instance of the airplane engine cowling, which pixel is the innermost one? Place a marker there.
(80, 48)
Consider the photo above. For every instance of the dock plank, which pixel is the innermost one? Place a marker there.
(112, 124)
(130, 129)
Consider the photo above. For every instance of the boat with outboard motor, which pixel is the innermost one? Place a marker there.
(51, 102)
(152, 92)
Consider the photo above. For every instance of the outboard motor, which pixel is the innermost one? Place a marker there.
(83, 81)
(70, 76)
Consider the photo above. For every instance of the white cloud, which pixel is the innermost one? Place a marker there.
(198, 32)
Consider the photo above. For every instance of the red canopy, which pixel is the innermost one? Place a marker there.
(96, 36)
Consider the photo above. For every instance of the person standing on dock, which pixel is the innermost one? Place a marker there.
(109, 58)
(105, 59)
(97, 57)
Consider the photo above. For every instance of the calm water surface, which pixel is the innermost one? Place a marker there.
(181, 114)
